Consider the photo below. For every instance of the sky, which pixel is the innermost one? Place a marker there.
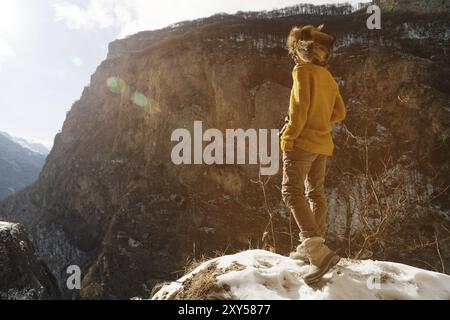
(50, 48)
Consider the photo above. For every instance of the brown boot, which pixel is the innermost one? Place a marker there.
(322, 259)
(299, 254)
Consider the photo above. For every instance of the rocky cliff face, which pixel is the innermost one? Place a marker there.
(428, 6)
(110, 200)
(23, 275)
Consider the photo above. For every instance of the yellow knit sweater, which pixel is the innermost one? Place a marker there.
(315, 104)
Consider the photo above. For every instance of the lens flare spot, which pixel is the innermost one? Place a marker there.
(147, 104)
(140, 99)
(116, 85)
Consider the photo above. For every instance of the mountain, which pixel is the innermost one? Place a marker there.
(111, 200)
(263, 275)
(19, 166)
(31, 144)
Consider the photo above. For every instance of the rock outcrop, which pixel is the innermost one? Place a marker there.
(110, 199)
(23, 275)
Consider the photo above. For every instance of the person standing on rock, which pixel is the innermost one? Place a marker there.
(306, 142)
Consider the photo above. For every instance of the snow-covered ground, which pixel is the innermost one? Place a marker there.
(261, 275)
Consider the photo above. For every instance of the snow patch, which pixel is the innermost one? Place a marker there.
(348, 40)
(265, 275)
(7, 226)
(428, 31)
(134, 243)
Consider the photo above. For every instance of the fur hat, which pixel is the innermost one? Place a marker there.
(310, 44)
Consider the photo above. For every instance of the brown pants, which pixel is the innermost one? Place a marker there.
(302, 168)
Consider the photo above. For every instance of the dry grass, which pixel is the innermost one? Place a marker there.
(194, 262)
(202, 286)
(384, 277)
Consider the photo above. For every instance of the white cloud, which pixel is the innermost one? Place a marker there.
(6, 51)
(76, 61)
(131, 16)
(97, 14)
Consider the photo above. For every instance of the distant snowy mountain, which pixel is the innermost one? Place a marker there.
(36, 145)
(263, 275)
(19, 165)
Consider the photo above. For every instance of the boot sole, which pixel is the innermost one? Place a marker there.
(332, 260)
